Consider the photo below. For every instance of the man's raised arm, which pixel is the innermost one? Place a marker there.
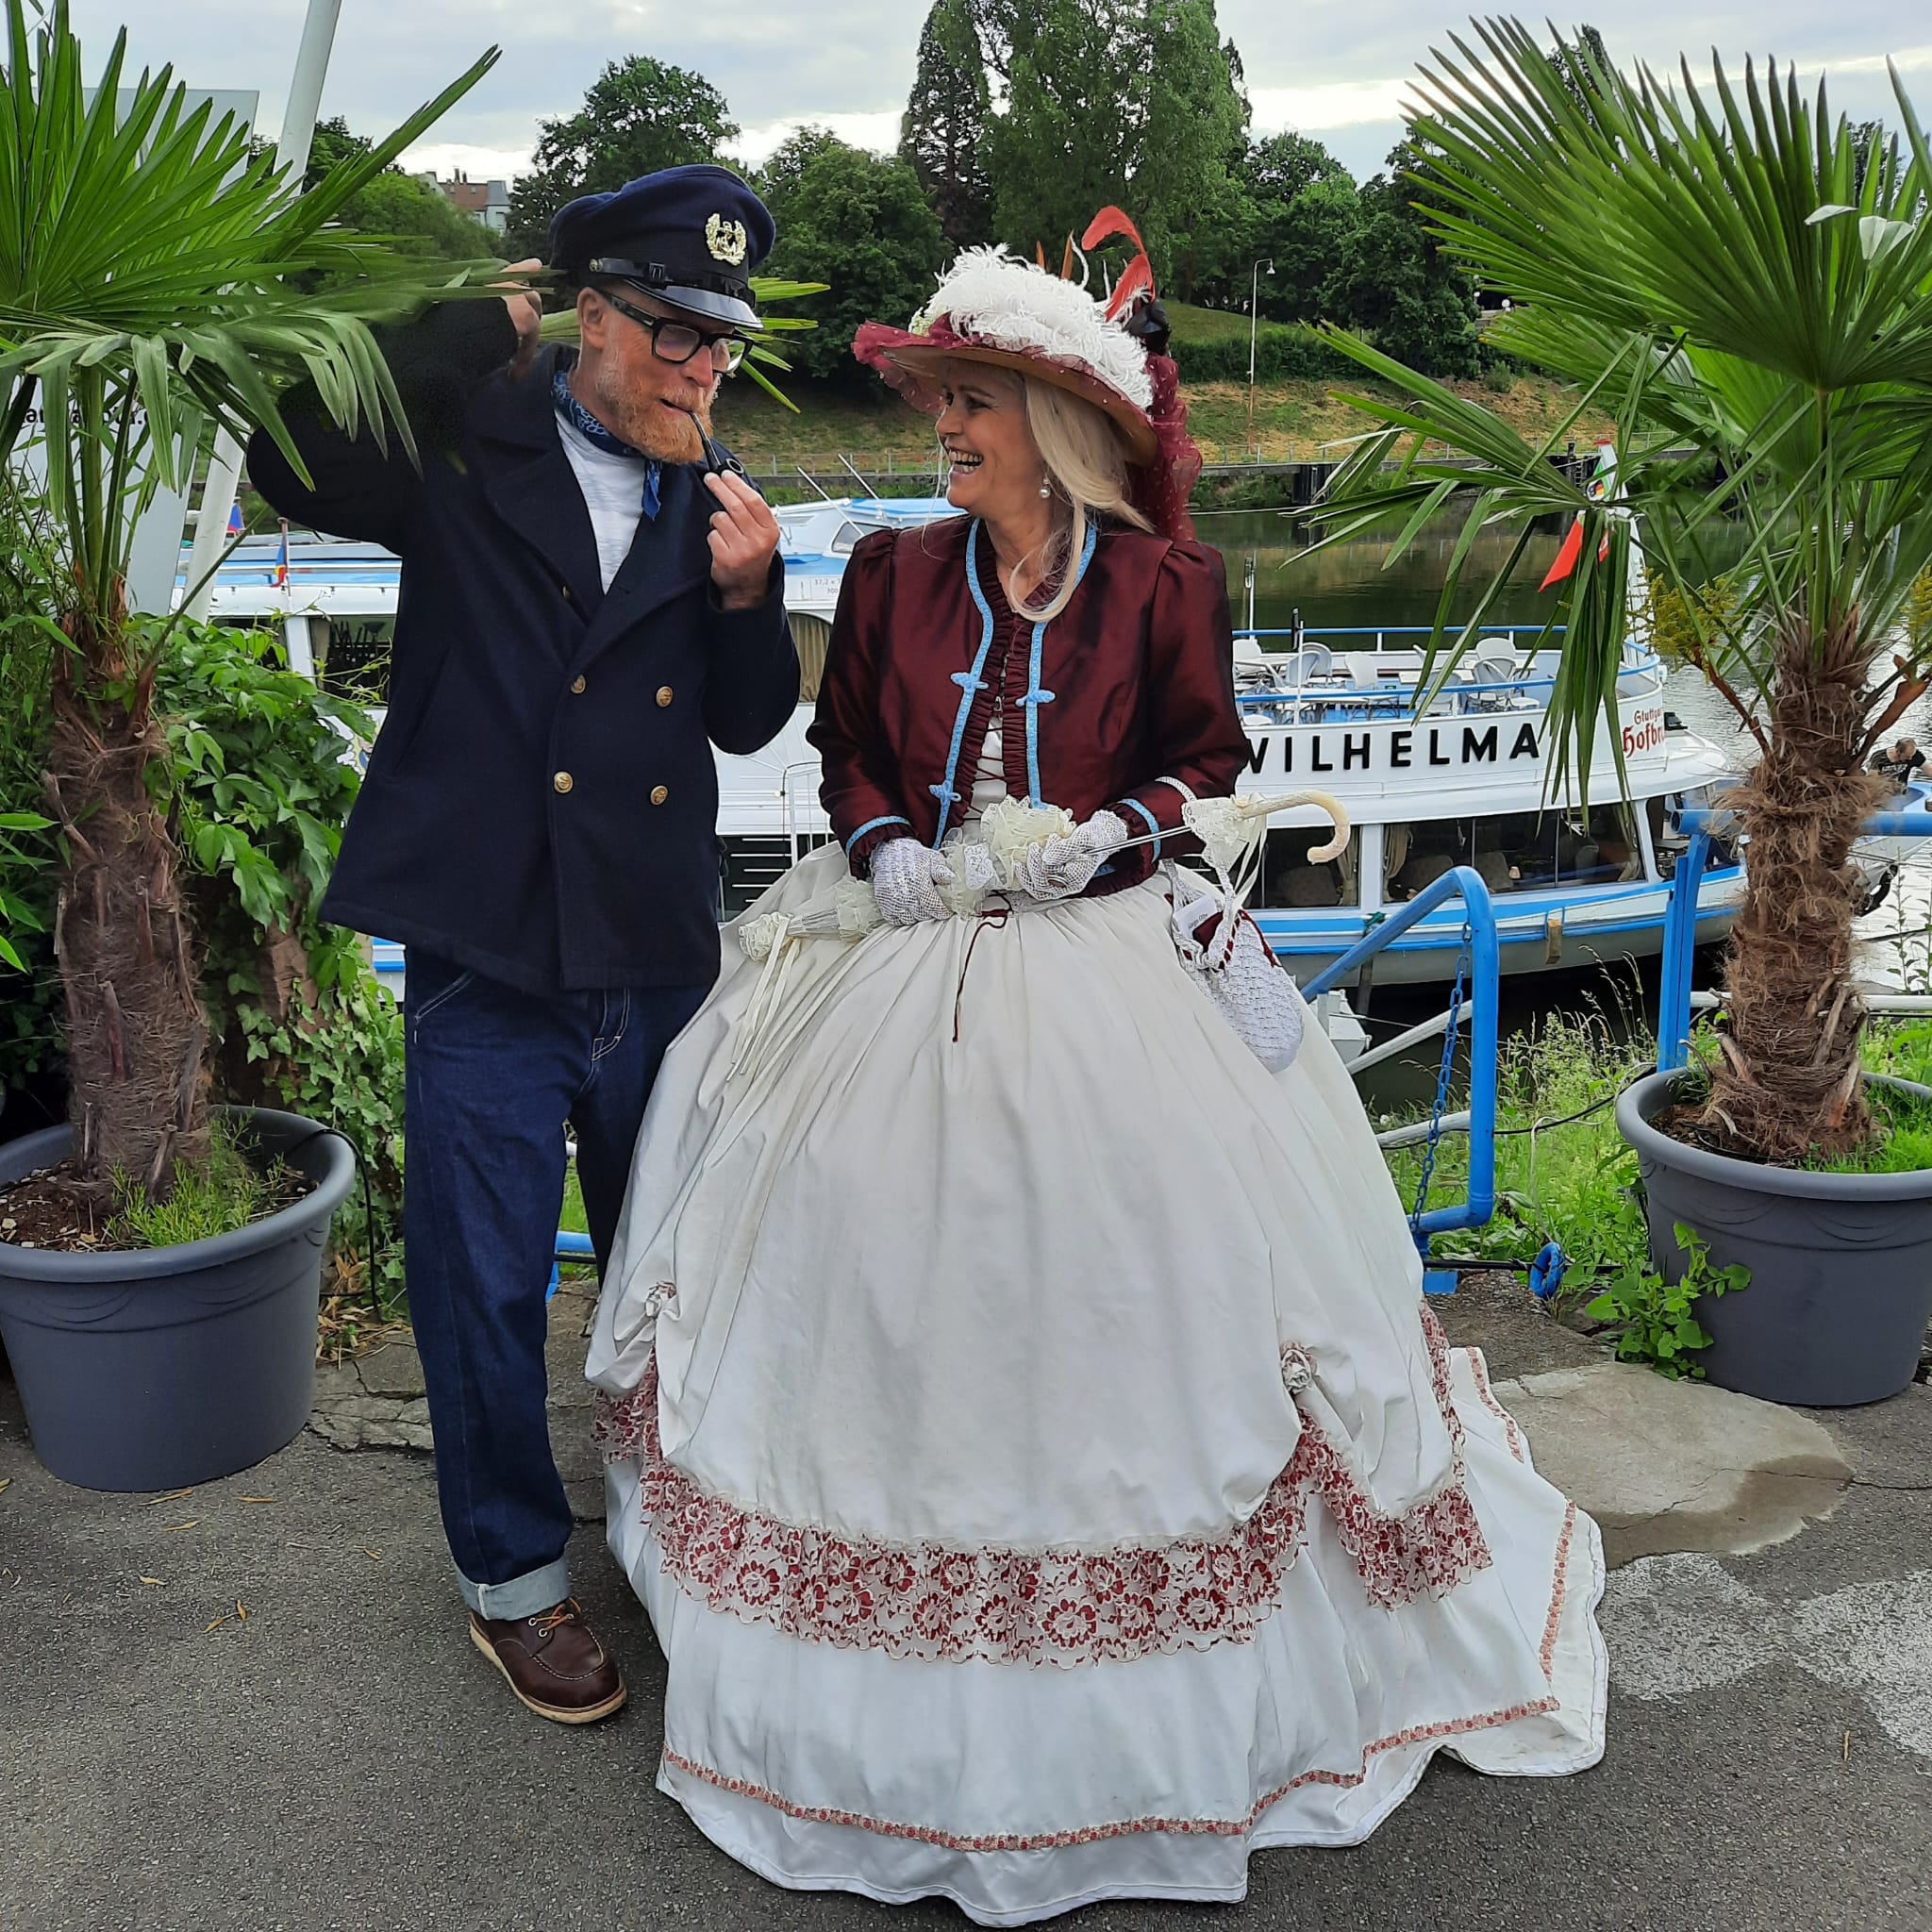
(359, 489)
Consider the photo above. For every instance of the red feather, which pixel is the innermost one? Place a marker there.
(1134, 278)
(1104, 226)
(1108, 223)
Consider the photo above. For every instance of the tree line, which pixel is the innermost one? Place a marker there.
(1025, 118)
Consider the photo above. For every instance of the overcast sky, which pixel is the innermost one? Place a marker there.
(1333, 67)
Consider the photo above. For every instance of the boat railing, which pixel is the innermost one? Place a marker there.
(1405, 633)
(1465, 883)
(1306, 686)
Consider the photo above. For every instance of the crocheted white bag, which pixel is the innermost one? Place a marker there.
(1235, 968)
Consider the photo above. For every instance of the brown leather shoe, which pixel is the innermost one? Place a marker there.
(553, 1662)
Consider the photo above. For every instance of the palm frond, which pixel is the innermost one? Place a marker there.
(160, 276)
(1710, 267)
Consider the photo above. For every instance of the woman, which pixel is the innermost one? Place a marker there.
(1022, 1424)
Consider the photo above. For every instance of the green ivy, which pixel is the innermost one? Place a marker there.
(343, 1062)
(262, 782)
(262, 778)
(1656, 1320)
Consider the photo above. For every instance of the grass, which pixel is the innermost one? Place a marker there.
(1563, 1173)
(1295, 421)
(1574, 1181)
(572, 1218)
(228, 1195)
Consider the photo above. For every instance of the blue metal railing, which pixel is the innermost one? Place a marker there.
(1680, 918)
(1465, 883)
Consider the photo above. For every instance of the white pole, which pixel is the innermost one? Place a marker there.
(291, 151)
(1254, 304)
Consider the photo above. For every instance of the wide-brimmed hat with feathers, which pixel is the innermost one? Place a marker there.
(993, 308)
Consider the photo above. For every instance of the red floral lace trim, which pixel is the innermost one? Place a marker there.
(1067, 1607)
(1547, 1655)
(1480, 1370)
(1094, 1834)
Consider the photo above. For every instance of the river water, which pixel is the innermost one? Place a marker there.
(1272, 579)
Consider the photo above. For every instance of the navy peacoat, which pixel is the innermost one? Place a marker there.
(542, 801)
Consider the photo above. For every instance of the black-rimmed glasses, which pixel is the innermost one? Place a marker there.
(677, 342)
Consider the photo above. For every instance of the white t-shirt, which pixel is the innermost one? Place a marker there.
(613, 491)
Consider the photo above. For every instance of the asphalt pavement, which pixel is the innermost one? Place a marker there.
(340, 1757)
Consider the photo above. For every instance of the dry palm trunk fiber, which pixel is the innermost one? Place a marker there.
(1787, 1081)
(121, 935)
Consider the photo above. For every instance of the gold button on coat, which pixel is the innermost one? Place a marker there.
(563, 781)
(663, 695)
(577, 683)
(659, 793)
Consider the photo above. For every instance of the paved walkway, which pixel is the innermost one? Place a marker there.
(341, 1758)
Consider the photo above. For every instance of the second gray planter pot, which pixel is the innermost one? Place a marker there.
(1840, 1264)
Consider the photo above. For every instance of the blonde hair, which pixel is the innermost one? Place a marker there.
(1086, 464)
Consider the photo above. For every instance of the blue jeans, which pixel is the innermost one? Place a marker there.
(492, 1075)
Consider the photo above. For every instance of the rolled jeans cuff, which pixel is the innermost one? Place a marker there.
(526, 1595)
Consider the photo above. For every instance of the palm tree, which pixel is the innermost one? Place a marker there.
(1743, 284)
(156, 278)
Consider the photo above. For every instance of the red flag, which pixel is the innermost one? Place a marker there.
(1566, 557)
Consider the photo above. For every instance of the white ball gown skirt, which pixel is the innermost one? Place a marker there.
(1026, 1435)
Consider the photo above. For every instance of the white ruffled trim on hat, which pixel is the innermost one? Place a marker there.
(1016, 305)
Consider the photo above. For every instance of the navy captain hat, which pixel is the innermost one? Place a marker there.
(689, 236)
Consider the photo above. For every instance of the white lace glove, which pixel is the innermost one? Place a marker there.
(905, 882)
(1064, 867)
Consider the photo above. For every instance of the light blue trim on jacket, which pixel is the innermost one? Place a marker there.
(970, 682)
(1035, 696)
(1152, 823)
(892, 818)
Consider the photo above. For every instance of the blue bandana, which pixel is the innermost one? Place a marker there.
(595, 433)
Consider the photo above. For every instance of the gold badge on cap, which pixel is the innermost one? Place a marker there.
(727, 240)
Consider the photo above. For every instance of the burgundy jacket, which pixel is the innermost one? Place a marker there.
(1135, 684)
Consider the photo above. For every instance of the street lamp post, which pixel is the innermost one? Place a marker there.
(1254, 312)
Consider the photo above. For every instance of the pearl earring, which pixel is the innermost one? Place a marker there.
(1045, 488)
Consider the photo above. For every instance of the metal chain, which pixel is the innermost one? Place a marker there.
(1443, 1076)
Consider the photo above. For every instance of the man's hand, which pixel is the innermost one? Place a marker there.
(526, 310)
(745, 539)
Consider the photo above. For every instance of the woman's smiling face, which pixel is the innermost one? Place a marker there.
(996, 464)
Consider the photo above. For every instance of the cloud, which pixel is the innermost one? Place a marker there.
(449, 157)
(1339, 104)
(878, 132)
(1341, 68)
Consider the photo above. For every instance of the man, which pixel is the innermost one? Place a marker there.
(590, 600)
(1901, 764)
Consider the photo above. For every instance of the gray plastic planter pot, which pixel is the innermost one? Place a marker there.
(1841, 1263)
(161, 1367)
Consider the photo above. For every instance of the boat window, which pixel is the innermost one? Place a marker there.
(1669, 842)
(851, 531)
(352, 656)
(1292, 878)
(1515, 852)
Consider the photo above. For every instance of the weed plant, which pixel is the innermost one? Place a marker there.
(230, 1193)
